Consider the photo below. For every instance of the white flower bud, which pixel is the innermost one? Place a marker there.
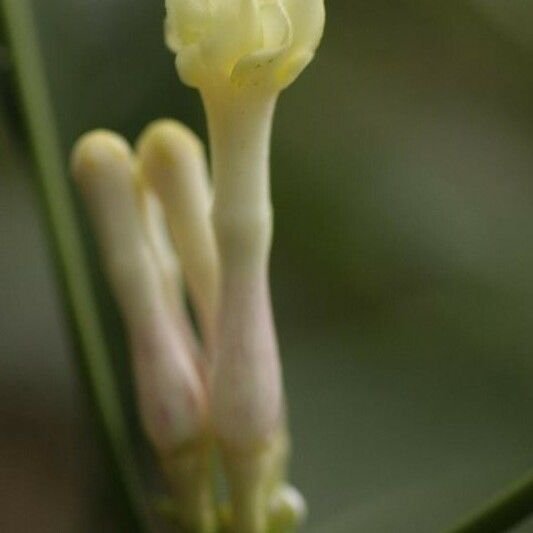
(288, 509)
(171, 396)
(173, 162)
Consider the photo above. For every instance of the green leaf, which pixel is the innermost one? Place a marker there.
(66, 241)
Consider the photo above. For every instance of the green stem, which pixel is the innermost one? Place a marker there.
(71, 258)
(502, 512)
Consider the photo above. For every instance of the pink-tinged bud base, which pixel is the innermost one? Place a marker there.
(171, 396)
(247, 384)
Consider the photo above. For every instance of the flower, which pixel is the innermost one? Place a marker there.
(265, 43)
(240, 54)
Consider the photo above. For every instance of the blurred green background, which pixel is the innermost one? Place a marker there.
(402, 269)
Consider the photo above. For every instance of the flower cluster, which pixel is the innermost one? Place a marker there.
(158, 216)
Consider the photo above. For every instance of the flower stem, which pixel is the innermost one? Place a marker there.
(503, 512)
(70, 258)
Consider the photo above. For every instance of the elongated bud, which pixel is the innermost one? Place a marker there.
(173, 162)
(172, 401)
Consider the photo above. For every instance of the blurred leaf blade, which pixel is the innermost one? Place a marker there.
(502, 513)
(93, 358)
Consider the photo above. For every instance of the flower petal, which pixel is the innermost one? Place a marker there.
(235, 31)
(308, 18)
(186, 22)
(190, 65)
(276, 25)
(258, 66)
(255, 68)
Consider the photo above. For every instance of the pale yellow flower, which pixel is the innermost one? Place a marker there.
(264, 43)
